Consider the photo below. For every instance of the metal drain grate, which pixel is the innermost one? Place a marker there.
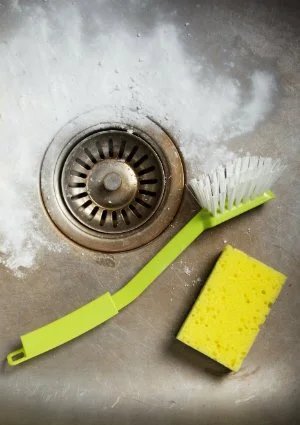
(112, 181)
(111, 186)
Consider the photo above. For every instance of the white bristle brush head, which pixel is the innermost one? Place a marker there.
(238, 181)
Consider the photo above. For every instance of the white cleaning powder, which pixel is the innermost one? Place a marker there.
(50, 72)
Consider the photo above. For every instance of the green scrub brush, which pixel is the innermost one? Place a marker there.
(227, 192)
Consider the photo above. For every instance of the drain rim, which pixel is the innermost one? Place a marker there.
(53, 200)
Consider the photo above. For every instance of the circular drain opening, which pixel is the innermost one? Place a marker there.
(113, 181)
(112, 186)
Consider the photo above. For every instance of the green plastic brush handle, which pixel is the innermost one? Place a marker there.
(64, 329)
(200, 222)
(106, 306)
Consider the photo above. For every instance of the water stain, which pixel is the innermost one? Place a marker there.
(245, 374)
(106, 261)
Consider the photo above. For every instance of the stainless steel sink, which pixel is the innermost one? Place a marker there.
(132, 370)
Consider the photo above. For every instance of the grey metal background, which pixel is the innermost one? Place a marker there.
(132, 370)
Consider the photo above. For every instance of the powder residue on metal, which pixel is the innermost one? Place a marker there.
(50, 73)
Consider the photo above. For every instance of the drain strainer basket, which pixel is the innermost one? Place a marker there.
(114, 186)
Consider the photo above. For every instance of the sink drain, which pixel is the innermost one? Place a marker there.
(113, 181)
(113, 186)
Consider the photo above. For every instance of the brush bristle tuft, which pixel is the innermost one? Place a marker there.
(238, 181)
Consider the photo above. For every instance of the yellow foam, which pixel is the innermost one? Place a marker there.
(231, 308)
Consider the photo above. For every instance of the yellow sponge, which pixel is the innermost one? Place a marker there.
(232, 306)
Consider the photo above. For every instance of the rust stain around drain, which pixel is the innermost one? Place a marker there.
(115, 187)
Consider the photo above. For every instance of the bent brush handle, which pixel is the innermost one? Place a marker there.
(106, 306)
(201, 221)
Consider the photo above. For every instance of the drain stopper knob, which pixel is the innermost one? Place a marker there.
(112, 182)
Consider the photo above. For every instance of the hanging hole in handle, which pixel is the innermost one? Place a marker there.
(16, 357)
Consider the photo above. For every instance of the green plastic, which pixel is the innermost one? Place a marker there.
(103, 308)
(63, 330)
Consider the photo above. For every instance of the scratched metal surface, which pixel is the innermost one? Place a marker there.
(132, 370)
